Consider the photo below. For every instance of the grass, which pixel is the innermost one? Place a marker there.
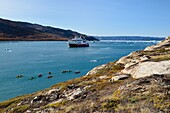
(20, 109)
(133, 102)
(159, 102)
(161, 54)
(110, 69)
(4, 106)
(112, 102)
(79, 107)
(137, 98)
(109, 104)
(58, 104)
(161, 58)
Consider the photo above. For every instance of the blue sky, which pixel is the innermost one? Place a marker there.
(94, 17)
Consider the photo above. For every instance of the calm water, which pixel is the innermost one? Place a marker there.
(33, 58)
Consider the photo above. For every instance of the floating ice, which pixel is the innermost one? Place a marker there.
(93, 60)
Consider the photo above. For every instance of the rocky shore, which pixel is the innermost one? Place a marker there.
(137, 83)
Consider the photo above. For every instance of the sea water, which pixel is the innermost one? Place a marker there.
(31, 58)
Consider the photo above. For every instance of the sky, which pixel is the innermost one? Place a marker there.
(94, 17)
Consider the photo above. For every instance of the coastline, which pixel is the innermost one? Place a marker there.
(83, 92)
(13, 39)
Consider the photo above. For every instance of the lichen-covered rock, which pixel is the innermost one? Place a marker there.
(148, 68)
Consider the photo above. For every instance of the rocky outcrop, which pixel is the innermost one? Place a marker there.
(163, 44)
(132, 59)
(148, 68)
(153, 60)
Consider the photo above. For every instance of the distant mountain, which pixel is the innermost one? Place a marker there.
(129, 38)
(14, 30)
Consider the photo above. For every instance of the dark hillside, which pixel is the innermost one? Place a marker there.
(12, 30)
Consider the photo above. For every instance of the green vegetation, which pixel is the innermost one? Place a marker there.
(110, 104)
(110, 69)
(161, 58)
(98, 85)
(11, 103)
(20, 109)
(58, 104)
(160, 102)
(132, 101)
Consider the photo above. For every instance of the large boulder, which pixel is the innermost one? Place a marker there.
(144, 69)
